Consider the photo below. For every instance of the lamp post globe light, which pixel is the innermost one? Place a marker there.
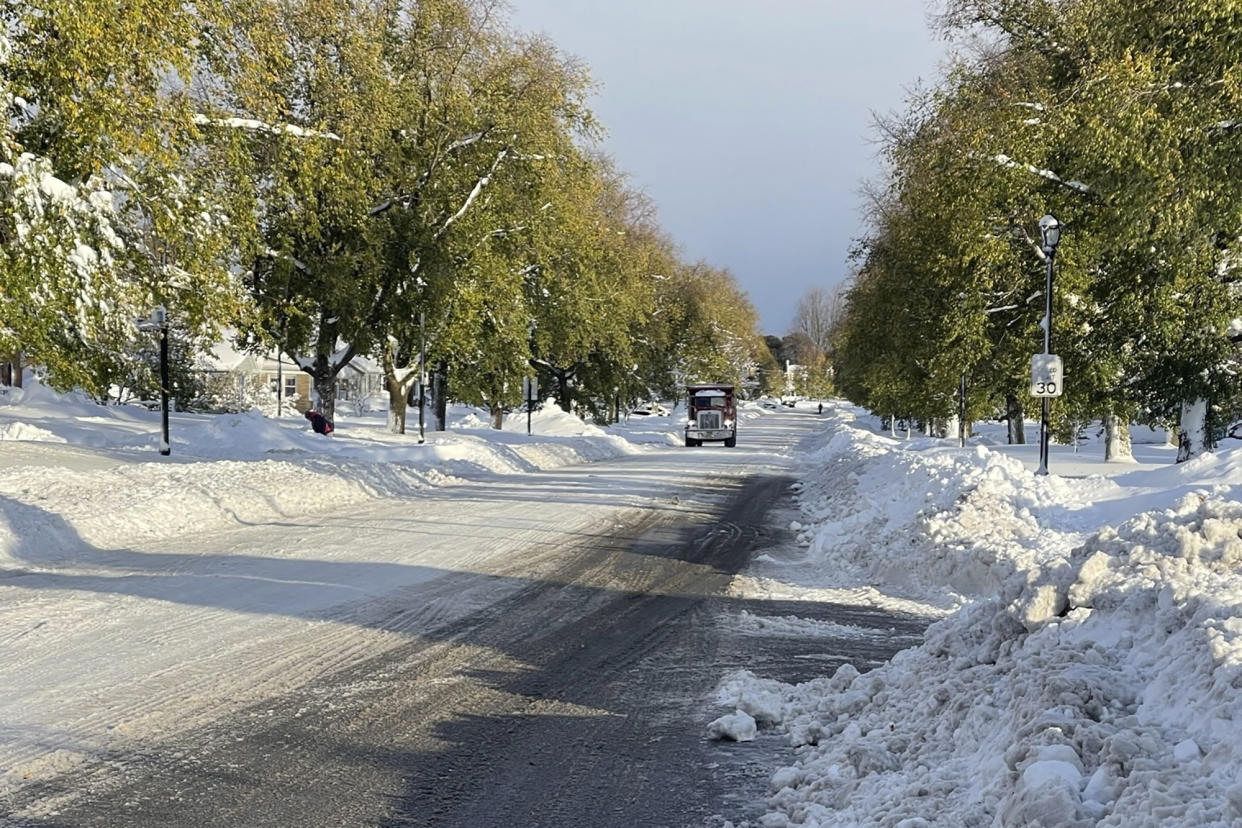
(1050, 237)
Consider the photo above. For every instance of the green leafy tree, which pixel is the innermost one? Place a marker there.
(104, 211)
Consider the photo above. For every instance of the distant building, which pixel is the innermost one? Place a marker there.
(796, 379)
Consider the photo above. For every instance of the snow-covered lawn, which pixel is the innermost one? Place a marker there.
(98, 471)
(1087, 666)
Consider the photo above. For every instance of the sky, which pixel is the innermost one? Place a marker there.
(749, 123)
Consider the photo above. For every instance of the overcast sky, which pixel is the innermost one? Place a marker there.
(748, 121)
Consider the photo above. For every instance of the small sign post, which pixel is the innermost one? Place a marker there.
(1047, 376)
(530, 390)
(1047, 381)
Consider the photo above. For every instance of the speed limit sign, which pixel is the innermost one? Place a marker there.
(1046, 376)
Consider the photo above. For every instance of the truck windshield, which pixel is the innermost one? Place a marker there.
(709, 402)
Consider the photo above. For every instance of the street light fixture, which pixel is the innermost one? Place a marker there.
(1050, 236)
(158, 321)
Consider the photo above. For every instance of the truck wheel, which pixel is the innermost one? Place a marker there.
(692, 443)
(731, 442)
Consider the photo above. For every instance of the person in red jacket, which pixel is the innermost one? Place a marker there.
(320, 423)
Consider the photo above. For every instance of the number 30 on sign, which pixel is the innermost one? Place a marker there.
(1046, 376)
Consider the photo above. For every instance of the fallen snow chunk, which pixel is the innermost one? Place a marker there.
(25, 431)
(1102, 786)
(1046, 794)
(1042, 604)
(1187, 750)
(734, 727)
(763, 699)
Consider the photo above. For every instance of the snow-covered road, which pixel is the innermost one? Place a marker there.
(124, 664)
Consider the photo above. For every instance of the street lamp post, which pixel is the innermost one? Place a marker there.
(1050, 236)
(422, 376)
(158, 321)
(280, 383)
(961, 413)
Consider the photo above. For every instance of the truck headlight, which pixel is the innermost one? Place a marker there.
(728, 424)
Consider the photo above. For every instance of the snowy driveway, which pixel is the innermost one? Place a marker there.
(131, 671)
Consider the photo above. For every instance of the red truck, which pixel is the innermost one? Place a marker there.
(713, 415)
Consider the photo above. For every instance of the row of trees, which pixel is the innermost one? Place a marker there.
(1124, 120)
(321, 175)
(816, 316)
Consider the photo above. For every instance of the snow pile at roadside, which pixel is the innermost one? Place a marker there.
(234, 469)
(936, 524)
(1097, 683)
(25, 431)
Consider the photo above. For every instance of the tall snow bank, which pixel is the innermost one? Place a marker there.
(937, 524)
(230, 469)
(1097, 684)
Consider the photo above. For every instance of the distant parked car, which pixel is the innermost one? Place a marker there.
(768, 402)
(651, 409)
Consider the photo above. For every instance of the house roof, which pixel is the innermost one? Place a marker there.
(225, 357)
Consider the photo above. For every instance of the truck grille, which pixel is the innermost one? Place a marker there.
(709, 419)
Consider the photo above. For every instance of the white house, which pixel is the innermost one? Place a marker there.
(796, 377)
(244, 379)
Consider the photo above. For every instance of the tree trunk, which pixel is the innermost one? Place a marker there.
(396, 412)
(892, 426)
(1016, 417)
(325, 368)
(11, 371)
(324, 382)
(498, 417)
(1192, 431)
(399, 391)
(562, 390)
(1117, 446)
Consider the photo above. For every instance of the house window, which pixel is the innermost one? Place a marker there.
(291, 387)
